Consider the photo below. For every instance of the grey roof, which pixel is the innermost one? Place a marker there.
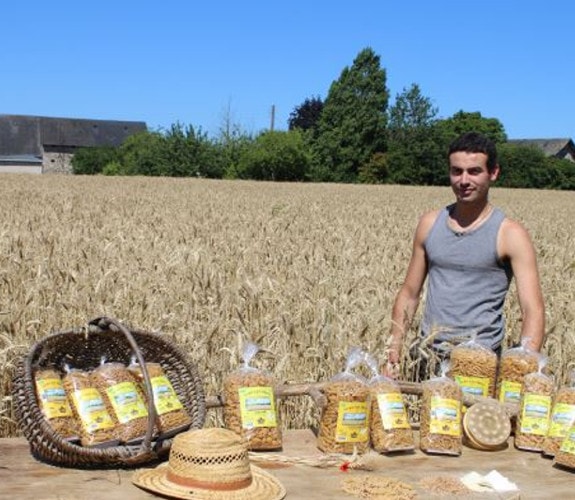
(20, 159)
(551, 147)
(26, 135)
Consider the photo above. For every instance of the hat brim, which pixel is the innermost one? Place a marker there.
(264, 486)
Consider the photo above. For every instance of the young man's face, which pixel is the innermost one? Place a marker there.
(469, 177)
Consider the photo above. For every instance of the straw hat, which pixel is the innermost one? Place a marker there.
(210, 464)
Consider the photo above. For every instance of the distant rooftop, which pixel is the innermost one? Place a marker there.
(27, 135)
(551, 147)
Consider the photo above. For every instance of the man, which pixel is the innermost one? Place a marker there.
(469, 252)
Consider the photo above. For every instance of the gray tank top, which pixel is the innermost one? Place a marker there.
(467, 282)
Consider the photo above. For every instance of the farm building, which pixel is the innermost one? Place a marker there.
(38, 144)
(560, 148)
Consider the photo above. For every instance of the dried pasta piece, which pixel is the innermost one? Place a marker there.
(378, 487)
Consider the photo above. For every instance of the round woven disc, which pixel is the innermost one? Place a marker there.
(487, 424)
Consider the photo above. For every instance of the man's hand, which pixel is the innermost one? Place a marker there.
(391, 370)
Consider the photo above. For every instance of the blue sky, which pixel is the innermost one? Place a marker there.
(202, 63)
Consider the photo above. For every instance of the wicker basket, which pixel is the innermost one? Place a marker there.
(84, 348)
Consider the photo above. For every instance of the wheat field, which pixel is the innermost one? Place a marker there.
(304, 270)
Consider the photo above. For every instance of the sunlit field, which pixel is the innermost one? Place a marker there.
(304, 270)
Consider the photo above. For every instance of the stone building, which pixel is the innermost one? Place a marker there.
(41, 145)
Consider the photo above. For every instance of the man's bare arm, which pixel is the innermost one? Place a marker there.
(516, 245)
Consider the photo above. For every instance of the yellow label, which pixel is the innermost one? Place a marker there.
(510, 392)
(352, 418)
(126, 401)
(568, 444)
(474, 386)
(535, 414)
(562, 416)
(92, 410)
(392, 411)
(53, 400)
(165, 398)
(445, 417)
(257, 407)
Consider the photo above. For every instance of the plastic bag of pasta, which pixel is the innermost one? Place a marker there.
(171, 416)
(389, 428)
(515, 363)
(474, 368)
(123, 400)
(54, 403)
(534, 409)
(344, 421)
(440, 417)
(97, 427)
(250, 407)
(565, 455)
(562, 414)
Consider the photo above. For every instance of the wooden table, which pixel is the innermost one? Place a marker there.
(23, 477)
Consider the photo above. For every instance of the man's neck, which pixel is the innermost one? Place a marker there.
(467, 215)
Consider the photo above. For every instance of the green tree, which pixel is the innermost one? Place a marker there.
(232, 142)
(416, 144)
(564, 173)
(353, 121)
(418, 157)
(90, 161)
(144, 154)
(463, 121)
(274, 156)
(189, 152)
(528, 167)
(306, 116)
(521, 166)
(411, 110)
(375, 171)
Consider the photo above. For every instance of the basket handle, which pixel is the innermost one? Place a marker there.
(113, 325)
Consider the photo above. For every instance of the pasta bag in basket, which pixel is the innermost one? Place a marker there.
(344, 421)
(474, 367)
(562, 415)
(515, 363)
(389, 428)
(97, 427)
(534, 409)
(123, 400)
(171, 416)
(250, 407)
(440, 418)
(54, 403)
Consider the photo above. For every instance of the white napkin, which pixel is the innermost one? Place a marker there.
(493, 481)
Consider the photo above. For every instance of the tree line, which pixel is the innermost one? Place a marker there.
(353, 136)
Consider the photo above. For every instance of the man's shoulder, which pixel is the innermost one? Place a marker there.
(426, 222)
(429, 218)
(513, 237)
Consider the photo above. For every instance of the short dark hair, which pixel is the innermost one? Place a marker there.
(474, 142)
